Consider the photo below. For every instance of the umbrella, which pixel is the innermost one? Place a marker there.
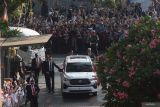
(25, 31)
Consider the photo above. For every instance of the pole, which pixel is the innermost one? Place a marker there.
(2, 53)
(67, 6)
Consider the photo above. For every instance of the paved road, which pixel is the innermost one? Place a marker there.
(75, 100)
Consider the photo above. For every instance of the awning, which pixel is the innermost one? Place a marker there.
(19, 41)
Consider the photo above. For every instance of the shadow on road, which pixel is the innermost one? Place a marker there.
(78, 97)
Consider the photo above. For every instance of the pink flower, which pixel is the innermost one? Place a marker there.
(131, 73)
(112, 71)
(125, 59)
(119, 55)
(153, 43)
(158, 95)
(115, 94)
(121, 95)
(126, 33)
(101, 58)
(157, 72)
(143, 41)
(132, 68)
(142, 50)
(133, 63)
(153, 32)
(106, 69)
(126, 84)
(129, 45)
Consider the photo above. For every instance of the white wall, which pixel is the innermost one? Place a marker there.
(144, 3)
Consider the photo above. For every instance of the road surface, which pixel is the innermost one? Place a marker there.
(74, 100)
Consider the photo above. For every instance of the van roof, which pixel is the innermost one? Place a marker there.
(78, 58)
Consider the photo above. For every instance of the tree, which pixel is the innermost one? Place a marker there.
(131, 67)
(8, 7)
(12, 6)
(112, 3)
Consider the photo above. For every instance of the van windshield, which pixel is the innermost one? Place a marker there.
(79, 67)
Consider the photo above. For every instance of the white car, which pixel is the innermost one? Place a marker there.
(28, 52)
(79, 75)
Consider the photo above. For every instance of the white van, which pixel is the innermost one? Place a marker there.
(28, 52)
(79, 75)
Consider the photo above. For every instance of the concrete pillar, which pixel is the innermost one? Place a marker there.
(124, 3)
(50, 4)
(2, 65)
(37, 6)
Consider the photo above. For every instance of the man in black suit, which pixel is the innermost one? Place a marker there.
(36, 67)
(48, 71)
(91, 54)
(32, 93)
(93, 42)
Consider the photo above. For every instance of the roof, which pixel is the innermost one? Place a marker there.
(78, 58)
(28, 40)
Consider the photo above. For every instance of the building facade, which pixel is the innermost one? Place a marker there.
(145, 4)
(61, 4)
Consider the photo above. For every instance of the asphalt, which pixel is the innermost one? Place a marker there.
(56, 100)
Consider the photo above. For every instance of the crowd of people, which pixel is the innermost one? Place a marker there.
(13, 91)
(12, 94)
(18, 90)
(81, 29)
(79, 32)
(47, 68)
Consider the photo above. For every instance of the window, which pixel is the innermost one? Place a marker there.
(79, 67)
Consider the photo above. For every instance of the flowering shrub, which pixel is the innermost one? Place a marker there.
(130, 69)
(5, 32)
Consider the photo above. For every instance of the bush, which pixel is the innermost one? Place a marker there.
(131, 67)
(5, 32)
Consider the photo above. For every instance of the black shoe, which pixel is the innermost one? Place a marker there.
(49, 91)
(52, 91)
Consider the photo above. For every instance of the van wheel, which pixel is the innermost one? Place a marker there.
(95, 93)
